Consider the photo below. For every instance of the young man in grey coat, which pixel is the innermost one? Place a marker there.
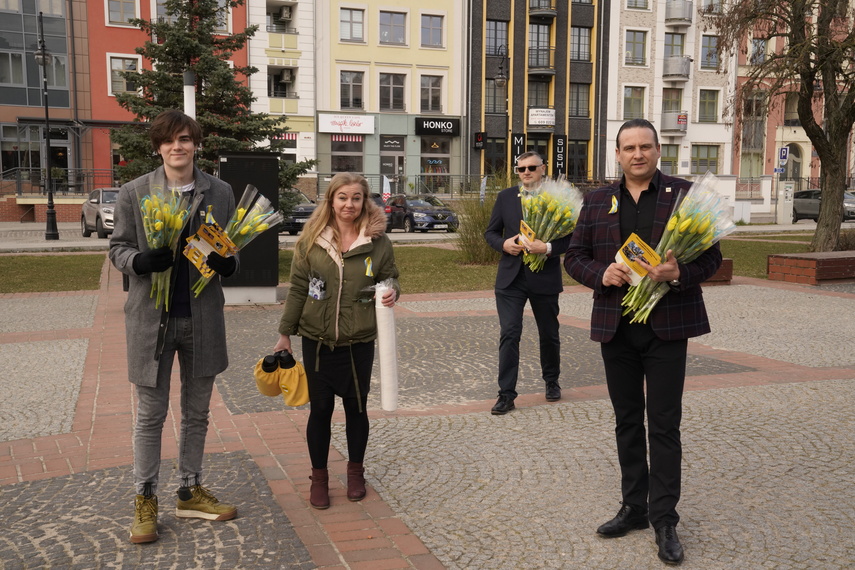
(193, 328)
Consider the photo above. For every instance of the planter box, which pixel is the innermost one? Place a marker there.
(812, 268)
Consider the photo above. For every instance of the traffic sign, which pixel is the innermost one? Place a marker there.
(783, 155)
(779, 170)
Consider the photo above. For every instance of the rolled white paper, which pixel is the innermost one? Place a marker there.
(387, 348)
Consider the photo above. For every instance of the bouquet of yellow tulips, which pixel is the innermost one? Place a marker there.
(253, 216)
(698, 221)
(551, 214)
(164, 213)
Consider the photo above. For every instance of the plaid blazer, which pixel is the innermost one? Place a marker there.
(681, 313)
(504, 223)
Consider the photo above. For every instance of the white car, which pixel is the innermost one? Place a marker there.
(97, 214)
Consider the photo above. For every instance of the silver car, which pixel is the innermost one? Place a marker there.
(97, 214)
(806, 205)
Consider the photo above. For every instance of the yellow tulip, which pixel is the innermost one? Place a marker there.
(684, 225)
(672, 223)
(261, 228)
(244, 230)
(705, 225)
(158, 225)
(241, 212)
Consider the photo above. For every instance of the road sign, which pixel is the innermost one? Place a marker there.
(779, 170)
(783, 155)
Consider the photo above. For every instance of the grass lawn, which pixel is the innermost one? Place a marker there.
(424, 269)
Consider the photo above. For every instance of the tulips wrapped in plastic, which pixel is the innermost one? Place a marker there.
(551, 214)
(253, 216)
(698, 221)
(164, 212)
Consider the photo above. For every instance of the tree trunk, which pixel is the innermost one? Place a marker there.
(833, 184)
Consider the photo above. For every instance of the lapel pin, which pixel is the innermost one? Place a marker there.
(668, 190)
(614, 205)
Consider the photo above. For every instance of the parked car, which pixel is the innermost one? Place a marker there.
(423, 212)
(806, 205)
(97, 212)
(300, 207)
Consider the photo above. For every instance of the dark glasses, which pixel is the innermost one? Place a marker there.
(530, 168)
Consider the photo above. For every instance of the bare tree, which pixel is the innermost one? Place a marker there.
(812, 58)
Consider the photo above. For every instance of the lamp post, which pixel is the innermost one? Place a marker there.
(501, 79)
(43, 58)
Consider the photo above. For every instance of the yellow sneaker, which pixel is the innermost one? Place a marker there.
(197, 502)
(144, 528)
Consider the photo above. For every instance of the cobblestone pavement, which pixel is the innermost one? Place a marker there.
(767, 435)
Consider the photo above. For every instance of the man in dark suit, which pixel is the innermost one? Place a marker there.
(655, 352)
(516, 283)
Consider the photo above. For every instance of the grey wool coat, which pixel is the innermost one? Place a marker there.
(142, 319)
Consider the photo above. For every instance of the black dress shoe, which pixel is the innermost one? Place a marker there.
(553, 391)
(503, 405)
(628, 518)
(670, 549)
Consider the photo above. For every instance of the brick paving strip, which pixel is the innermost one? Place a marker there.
(66, 498)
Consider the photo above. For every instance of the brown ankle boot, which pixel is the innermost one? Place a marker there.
(355, 481)
(319, 494)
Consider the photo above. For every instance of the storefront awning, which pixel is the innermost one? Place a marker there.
(346, 138)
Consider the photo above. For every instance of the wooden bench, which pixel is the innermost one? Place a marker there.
(724, 274)
(811, 268)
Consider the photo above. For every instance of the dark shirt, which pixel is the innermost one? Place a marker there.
(638, 217)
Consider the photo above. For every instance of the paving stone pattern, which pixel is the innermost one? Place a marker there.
(763, 482)
(83, 521)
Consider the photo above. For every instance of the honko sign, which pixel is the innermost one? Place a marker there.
(437, 126)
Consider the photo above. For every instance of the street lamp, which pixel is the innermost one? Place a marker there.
(501, 79)
(43, 58)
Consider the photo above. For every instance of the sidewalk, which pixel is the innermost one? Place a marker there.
(767, 435)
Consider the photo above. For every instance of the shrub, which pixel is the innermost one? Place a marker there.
(846, 241)
(475, 216)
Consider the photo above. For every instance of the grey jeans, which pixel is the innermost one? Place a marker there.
(153, 405)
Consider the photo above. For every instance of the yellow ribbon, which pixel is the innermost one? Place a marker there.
(369, 272)
(614, 205)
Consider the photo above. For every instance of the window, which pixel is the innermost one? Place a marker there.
(11, 68)
(496, 156)
(431, 31)
(633, 103)
(10, 6)
(56, 76)
(704, 158)
(431, 93)
(708, 106)
(436, 156)
(579, 104)
(580, 44)
(51, 7)
(122, 10)
(539, 52)
(495, 101)
(577, 160)
(668, 161)
(672, 100)
(709, 56)
(636, 48)
(538, 94)
(351, 89)
(222, 24)
(118, 84)
(275, 86)
(346, 153)
(350, 25)
(758, 51)
(674, 44)
(497, 37)
(393, 28)
(583, 1)
(392, 91)
(711, 6)
(162, 16)
(754, 121)
(636, 4)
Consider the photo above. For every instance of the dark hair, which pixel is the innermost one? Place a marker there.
(637, 124)
(169, 123)
(530, 154)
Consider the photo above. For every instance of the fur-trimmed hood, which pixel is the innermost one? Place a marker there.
(376, 226)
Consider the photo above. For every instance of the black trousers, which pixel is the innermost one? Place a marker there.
(510, 303)
(633, 356)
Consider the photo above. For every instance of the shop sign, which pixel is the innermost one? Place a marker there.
(391, 143)
(346, 124)
(437, 126)
(559, 150)
(541, 117)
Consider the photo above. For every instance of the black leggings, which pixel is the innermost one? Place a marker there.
(319, 430)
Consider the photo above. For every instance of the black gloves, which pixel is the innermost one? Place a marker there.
(225, 266)
(154, 260)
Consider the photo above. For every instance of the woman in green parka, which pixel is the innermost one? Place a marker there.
(342, 253)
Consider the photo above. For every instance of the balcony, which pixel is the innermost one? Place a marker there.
(676, 68)
(678, 13)
(543, 8)
(541, 61)
(674, 123)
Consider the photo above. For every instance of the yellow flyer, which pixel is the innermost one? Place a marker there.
(526, 231)
(210, 237)
(633, 250)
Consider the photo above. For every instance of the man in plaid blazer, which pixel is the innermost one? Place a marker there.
(516, 284)
(655, 352)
